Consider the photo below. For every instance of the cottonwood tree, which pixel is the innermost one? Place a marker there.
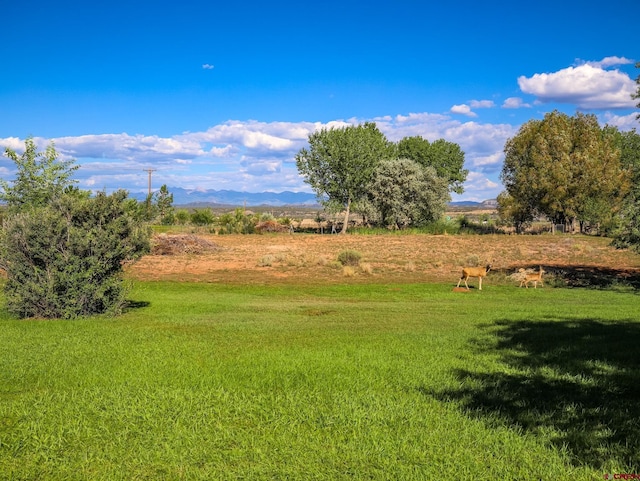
(447, 158)
(564, 167)
(515, 211)
(339, 164)
(405, 193)
(628, 234)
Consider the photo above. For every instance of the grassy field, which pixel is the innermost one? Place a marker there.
(201, 381)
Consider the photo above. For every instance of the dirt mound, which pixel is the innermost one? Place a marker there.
(176, 244)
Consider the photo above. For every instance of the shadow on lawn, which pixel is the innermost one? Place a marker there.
(590, 277)
(576, 380)
(130, 305)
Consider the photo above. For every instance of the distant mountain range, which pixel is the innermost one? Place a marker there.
(188, 197)
(233, 198)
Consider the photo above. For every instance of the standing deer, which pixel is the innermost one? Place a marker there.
(478, 272)
(533, 277)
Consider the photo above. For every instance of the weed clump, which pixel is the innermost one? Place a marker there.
(349, 257)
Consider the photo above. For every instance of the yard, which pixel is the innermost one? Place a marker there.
(263, 358)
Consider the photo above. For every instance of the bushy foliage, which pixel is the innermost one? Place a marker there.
(349, 257)
(628, 232)
(237, 222)
(182, 216)
(202, 217)
(65, 259)
(403, 193)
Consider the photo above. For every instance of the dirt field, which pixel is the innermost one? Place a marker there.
(312, 258)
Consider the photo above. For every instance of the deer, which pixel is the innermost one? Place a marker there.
(532, 277)
(478, 272)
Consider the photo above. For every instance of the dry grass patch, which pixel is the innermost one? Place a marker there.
(312, 258)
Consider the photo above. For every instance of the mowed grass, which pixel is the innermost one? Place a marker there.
(368, 381)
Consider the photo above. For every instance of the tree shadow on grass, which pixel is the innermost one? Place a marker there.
(130, 305)
(584, 276)
(596, 277)
(576, 382)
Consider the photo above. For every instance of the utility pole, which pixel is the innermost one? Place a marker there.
(149, 196)
(149, 171)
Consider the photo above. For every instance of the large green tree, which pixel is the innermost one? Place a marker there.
(339, 164)
(447, 158)
(567, 168)
(628, 234)
(405, 193)
(40, 177)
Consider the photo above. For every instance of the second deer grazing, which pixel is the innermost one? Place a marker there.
(478, 272)
(533, 277)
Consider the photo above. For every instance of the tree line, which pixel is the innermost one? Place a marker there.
(356, 169)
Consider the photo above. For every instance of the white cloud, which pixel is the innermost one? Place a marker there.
(463, 109)
(492, 160)
(482, 104)
(207, 66)
(480, 187)
(250, 155)
(514, 103)
(623, 122)
(588, 86)
(606, 62)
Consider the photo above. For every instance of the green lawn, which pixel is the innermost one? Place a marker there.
(205, 381)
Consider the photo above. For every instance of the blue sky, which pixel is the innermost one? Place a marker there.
(217, 95)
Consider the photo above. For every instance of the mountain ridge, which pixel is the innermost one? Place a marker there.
(187, 197)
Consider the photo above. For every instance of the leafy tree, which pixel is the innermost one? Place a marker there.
(562, 167)
(65, 259)
(339, 164)
(148, 210)
(40, 177)
(405, 193)
(445, 157)
(514, 211)
(628, 234)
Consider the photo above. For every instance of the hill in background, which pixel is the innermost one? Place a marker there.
(192, 197)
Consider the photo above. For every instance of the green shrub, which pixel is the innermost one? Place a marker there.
(65, 259)
(182, 216)
(349, 257)
(237, 222)
(202, 217)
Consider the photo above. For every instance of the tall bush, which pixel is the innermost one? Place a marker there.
(65, 259)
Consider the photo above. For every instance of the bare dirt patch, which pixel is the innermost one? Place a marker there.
(177, 244)
(312, 258)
